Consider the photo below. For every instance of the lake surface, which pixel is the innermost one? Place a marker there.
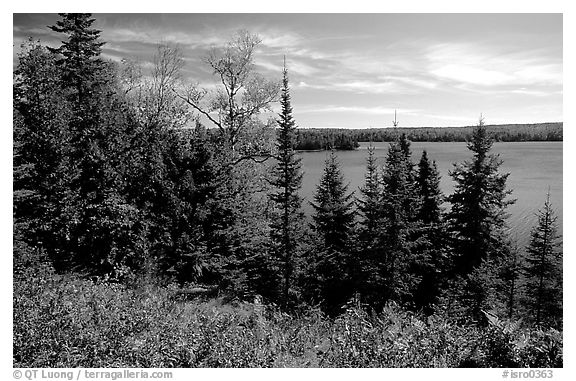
(533, 166)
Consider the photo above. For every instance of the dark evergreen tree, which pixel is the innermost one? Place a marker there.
(431, 197)
(333, 221)
(287, 180)
(369, 205)
(543, 270)
(477, 223)
(43, 198)
(398, 259)
(80, 54)
(478, 213)
(108, 230)
(371, 232)
(431, 235)
(510, 277)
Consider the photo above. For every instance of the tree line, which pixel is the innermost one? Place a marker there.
(115, 177)
(347, 139)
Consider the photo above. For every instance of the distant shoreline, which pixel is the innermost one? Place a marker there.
(310, 139)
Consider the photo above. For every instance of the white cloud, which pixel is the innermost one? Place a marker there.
(279, 39)
(358, 87)
(376, 110)
(481, 66)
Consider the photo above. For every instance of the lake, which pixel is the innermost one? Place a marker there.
(533, 166)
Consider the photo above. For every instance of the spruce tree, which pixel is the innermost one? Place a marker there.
(431, 234)
(370, 202)
(478, 212)
(43, 173)
(430, 195)
(477, 225)
(543, 269)
(107, 228)
(510, 274)
(370, 229)
(287, 179)
(80, 53)
(333, 221)
(390, 261)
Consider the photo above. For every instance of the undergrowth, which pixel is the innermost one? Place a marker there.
(68, 321)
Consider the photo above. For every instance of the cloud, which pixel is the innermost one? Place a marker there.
(452, 118)
(376, 110)
(276, 39)
(483, 66)
(536, 93)
(353, 86)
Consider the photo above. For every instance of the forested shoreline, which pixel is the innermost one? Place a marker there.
(348, 139)
(127, 207)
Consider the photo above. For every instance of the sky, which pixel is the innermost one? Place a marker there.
(355, 70)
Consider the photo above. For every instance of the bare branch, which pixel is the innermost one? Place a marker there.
(194, 105)
(259, 159)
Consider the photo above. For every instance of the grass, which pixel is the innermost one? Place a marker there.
(67, 321)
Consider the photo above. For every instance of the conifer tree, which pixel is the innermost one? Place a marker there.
(478, 214)
(107, 227)
(543, 269)
(369, 203)
(370, 229)
(42, 177)
(287, 180)
(431, 234)
(398, 259)
(333, 221)
(477, 224)
(428, 185)
(510, 273)
(80, 61)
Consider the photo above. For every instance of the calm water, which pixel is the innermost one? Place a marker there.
(533, 166)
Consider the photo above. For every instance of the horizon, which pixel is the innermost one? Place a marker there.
(415, 127)
(355, 70)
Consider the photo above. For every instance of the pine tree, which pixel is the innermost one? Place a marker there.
(42, 195)
(431, 234)
(510, 274)
(477, 224)
(333, 221)
(369, 203)
(287, 179)
(543, 269)
(428, 185)
(398, 259)
(108, 228)
(370, 230)
(80, 53)
(478, 212)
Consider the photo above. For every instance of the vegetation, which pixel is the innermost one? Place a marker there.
(286, 225)
(141, 237)
(543, 269)
(66, 321)
(348, 139)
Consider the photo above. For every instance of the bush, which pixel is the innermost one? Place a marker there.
(67, 321)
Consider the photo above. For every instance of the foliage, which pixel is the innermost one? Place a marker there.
(325, 139)
(64, 321)
(543, 269)
(123, 201)
(501, 133)
(432, 234)
(478, 205)
(333, 219)
(286, 227)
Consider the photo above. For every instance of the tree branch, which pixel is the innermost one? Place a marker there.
(197, 108)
